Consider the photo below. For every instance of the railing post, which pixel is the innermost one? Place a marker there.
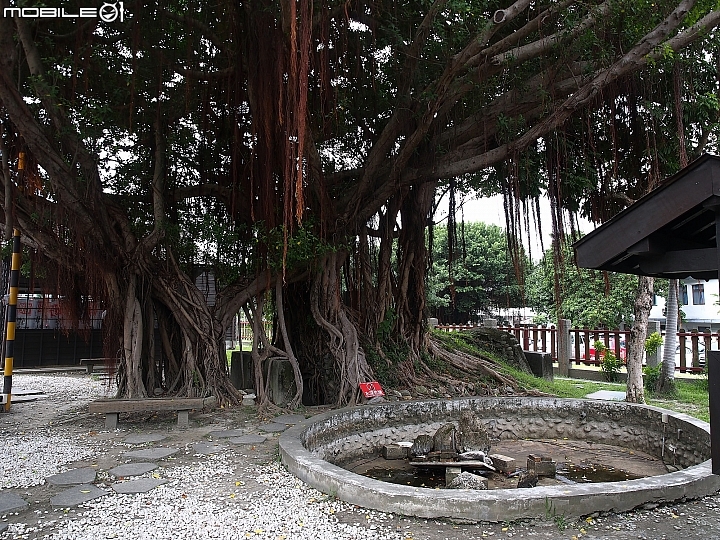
(695, 349)
(653, 360)
(681, 344)
(578, 337)
(563, 339)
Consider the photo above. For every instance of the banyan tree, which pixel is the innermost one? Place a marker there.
(294, 148)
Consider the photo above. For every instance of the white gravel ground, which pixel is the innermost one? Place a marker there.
(241, 492)
(207, 498)
(190, 506)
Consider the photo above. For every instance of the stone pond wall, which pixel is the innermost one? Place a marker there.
(361, 432)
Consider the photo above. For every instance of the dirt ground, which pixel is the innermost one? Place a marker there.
(70, 417)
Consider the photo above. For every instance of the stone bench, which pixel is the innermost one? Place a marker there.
(90, 363)
(113, 407)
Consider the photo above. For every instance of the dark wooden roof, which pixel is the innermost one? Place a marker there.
(668, 233)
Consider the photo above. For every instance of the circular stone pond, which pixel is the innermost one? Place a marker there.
(316, 449)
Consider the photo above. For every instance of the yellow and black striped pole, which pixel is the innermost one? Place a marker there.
(11, 312)
(11, 319)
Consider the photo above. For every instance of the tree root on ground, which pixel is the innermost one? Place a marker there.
(471, 367)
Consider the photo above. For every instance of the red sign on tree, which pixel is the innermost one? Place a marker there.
(371, 389)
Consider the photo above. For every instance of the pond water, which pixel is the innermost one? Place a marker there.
(578, 462)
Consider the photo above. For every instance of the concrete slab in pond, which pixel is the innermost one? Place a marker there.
(151, 453)
(289, 419)
(607, 395)
(249, 439)
(226, 433)
(85, 475)
(205, 448)
(142, 438)
(9, 502)
(77, 495)
(141, 485)
(273, 427)
(133, 469)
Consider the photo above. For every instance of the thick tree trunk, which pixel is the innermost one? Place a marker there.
(666, 382)
(636, 345)
(412, 272)
(330, 314)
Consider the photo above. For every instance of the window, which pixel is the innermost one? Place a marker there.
(654, 299)
(698, 294)
(683, 295)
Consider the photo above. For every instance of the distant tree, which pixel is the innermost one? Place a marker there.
(589, 298)
(480, 277)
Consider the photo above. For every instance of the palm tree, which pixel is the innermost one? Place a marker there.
(666, 382)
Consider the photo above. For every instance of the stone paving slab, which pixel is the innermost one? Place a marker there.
(133, 469)
(249, 439)
(289, 419)
(77, 495)
(607, 395)
(226, 433)
(141, 485)
(3, 527)
(205, 449)
(142, 438)
(85, 475)
(151, 453)
(273, 427)
(9, 502)
(27, 399)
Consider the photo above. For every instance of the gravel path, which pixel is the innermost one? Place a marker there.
(221, 490)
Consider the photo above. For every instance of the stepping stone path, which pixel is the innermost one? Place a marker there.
(9, 502)
(249, 439)
(290, 419)
(151, 453)
(77, 495)
(205, 448)
(133, 469)
(142, 438)
(607, 395)
(226, 433)
(86, 475)
(273, 427)
(141, 485)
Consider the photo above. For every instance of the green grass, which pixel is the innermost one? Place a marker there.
(692, 398)
(561, 387)
(245, 347)
(692, 393)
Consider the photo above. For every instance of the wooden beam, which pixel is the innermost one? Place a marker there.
(688, 189)
(646, 246)
(688, 260)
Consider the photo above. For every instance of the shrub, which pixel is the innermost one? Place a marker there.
(652, 375)
(653, 342)
(610, 365)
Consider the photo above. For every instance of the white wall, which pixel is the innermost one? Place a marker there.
(705, 315)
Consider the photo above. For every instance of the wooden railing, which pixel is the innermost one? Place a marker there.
(691, 346)
(246, 330)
